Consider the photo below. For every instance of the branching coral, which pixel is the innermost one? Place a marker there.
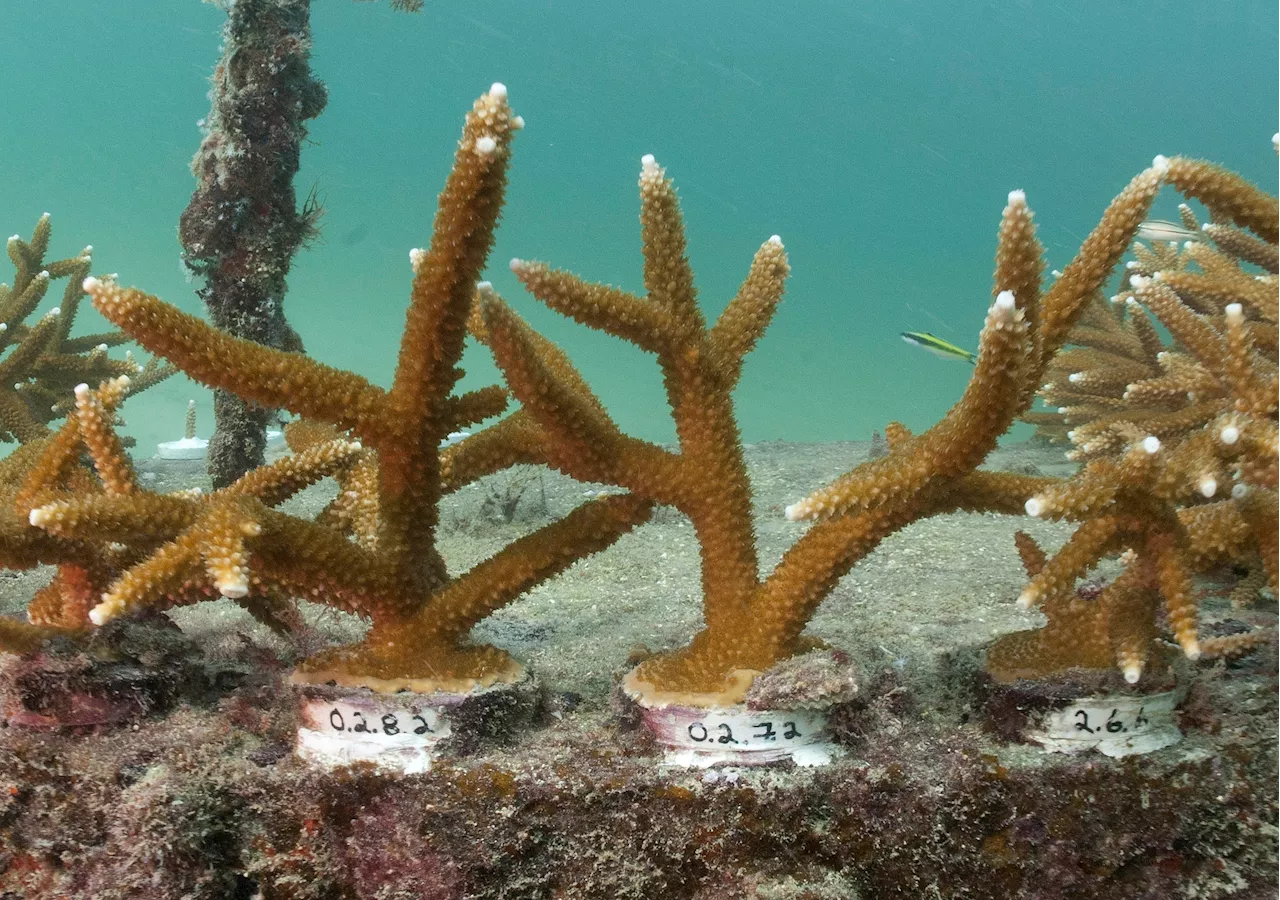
(391, 572)
(182, 545)
(751, 623)
(44, 362)
(1179, 442)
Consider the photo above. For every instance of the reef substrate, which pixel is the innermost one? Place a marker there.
(205, 799)
(211, 803)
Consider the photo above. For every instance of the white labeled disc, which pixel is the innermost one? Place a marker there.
(1116, 725)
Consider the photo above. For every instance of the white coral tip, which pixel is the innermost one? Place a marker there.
(234, 587)
(1192, 649)
(796, 511)
(485, 286)
(486, 145)
(1208, 486)
(39, 516)
(1132, 673)
(1075, 377)
(517, 122)
(776, 240)
(1138, 282)
(81, 390)
(56, 311)
(90, 284)
(100, 615)
(1034, 507)
(1017, 198)
(498, 91)
(1026, 598)
(1229, 434)
(1238, 491)
(1161, 165)
(1004, 300)
(1151, 443)
(1234, 313)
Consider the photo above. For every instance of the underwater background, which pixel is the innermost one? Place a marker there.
(879, 139)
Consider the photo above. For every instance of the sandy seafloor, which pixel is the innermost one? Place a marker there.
(927, 804)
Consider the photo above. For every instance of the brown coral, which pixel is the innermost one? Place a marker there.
(752, 622)
(392, 573)
(44, 362)
(1179, 442)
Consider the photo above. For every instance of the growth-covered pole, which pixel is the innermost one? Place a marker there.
(243, 225)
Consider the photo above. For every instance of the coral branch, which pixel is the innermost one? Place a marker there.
(372, 551)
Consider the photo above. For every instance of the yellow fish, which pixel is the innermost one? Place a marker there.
(938, 347)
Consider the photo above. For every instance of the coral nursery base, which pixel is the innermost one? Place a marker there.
(210, 803)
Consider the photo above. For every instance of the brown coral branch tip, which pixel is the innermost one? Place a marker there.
(372, 551)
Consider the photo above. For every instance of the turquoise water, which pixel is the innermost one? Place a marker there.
(878, 139)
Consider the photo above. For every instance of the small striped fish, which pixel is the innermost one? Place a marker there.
(937, 346)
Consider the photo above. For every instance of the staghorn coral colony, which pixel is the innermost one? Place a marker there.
(1178, 442)
(232, 542)
(1178, 445)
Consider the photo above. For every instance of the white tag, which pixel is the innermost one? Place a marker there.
(372, 728)
(185, 448)
(694, 736)
(1118, 725)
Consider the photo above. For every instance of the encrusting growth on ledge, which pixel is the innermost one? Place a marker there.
(393, 478)
(750, 622)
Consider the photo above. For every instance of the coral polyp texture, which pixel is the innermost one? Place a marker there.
(1179, 442)
(373, 551)
(44, 362)
(751, 622)
(46, 491)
